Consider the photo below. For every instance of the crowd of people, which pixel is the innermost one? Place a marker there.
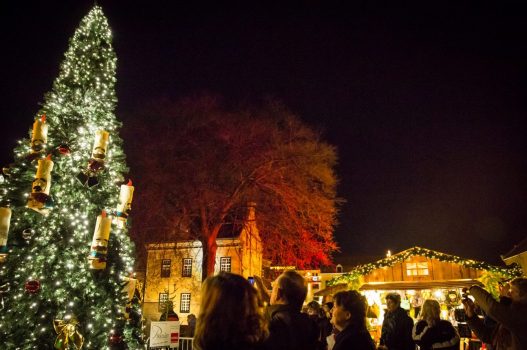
(236, 315)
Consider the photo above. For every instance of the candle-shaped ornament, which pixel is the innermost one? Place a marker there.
(39, 136)
(40, 200)
(99, 245)
(125, 203)
(133, 289)
(96, 162)
(5, 221)
(100, 145)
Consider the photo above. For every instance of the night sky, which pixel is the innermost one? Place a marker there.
(427, 105)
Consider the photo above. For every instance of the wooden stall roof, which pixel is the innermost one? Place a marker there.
(332, 290)
(417, 285)
(398, 258)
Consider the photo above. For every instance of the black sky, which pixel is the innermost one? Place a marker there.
(427, 105)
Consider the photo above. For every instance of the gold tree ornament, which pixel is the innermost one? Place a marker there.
(40, 200)
(96, 162)
(125, 204)
(99, 246)
(133, 287)
(5, 221)
(100, 145)
(39, 136)
(67, 334)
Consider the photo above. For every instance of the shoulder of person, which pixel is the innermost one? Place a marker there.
(279, 312)
(420, 326)
(306, 321)
(445, 323)
(355, 339)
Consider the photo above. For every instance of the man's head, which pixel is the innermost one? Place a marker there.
(393, 300)
(290, 289)
(518, 290)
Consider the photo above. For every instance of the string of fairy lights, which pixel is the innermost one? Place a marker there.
(52, 256)
(389, 261)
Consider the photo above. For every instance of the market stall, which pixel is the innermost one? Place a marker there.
(418, 274)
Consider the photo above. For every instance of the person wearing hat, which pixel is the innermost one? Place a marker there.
(397, 326)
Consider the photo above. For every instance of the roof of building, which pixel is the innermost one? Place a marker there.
(418, 251)
(231, 229)
(517, 249)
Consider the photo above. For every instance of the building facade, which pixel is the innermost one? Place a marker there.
(174, 269)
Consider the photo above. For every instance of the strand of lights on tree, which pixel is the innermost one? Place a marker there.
(46, 266)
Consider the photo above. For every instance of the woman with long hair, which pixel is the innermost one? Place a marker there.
(231, 315)
(431, 332)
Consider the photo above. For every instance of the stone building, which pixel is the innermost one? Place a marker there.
(174, 269)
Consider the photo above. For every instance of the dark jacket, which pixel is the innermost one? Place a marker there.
(289, 329)
(325, 328)
(441, 336)
(511, 329)
(232, 346)
(397, 330)
(353, 338)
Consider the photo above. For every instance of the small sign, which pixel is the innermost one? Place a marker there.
(164, 333)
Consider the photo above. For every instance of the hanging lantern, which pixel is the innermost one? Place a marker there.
(96, 162)
(40, 200)
(99, 245)
(125, 204)
(39, 136)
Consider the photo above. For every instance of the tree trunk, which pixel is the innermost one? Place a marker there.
(209, 254)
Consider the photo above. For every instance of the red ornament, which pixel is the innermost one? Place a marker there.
(64, 149)
(32, 286)
(115, 339)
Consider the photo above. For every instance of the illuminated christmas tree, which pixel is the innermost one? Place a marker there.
(66, 256)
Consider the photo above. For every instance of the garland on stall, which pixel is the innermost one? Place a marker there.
(361, 270)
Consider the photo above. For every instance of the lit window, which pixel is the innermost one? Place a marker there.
(187, 268)
(163, 300)
(417, 269)
(185, 302)
(225, 264)
(165, 267)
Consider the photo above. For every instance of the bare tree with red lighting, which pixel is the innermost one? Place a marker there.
(198, 163)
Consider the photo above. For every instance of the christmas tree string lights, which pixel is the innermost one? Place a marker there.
(50, 295)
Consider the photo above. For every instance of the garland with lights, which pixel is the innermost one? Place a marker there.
(57, 290)
(361, 270)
